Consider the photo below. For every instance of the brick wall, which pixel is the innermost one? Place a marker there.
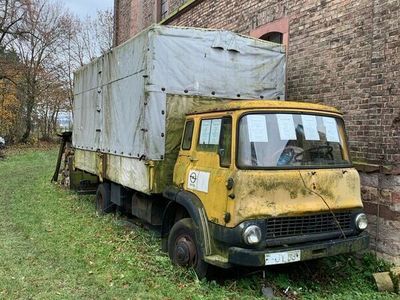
(150, 13)
(132, 16)
(342, 53)
(381, 190)
(122, 20)
(384, 116)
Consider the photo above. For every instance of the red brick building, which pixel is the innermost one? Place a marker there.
(340, 52)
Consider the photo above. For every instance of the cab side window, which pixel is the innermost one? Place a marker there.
(225, 142)
(188, 135)
(216, 136)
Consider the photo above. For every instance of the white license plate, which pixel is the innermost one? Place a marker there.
(282, 257)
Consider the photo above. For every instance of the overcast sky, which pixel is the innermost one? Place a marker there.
(87, 7)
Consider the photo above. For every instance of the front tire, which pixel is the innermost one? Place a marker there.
(184, 249)
(103, 199)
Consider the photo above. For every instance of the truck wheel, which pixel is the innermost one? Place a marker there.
(183, 248)
(103, 199)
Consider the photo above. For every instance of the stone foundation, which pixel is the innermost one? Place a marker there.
(381, 196)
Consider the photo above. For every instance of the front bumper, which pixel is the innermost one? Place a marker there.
(256, 258)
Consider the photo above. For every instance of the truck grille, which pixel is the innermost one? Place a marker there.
(304, 225)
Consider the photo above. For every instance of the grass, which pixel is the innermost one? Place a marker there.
(54, 246)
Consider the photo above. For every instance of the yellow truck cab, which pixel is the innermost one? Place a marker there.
(271, 182)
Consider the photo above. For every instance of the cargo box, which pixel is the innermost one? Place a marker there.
(130, 104)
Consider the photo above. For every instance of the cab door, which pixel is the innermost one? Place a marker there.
(185, 156)
(210, 165)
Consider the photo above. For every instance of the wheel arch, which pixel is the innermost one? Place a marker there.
(190, 204)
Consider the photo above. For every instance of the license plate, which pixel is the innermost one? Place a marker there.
(282, 257)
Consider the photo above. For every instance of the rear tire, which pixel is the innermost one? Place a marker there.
(103, 199)
(184, 249)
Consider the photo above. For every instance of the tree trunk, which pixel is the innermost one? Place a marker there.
(29, 109)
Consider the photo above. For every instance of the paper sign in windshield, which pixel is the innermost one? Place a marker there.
(205, 131)
(286, 127)
(215, 131)
(331, 130)
(310, 127)
(257, 128)
(209, 133)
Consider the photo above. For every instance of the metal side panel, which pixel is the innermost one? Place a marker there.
(129, 172)
(85, 161)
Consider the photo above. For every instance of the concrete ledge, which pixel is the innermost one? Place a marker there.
(372, 168)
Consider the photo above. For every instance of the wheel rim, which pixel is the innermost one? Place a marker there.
(185, 253)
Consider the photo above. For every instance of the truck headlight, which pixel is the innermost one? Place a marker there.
(252, 235)
(361, 221)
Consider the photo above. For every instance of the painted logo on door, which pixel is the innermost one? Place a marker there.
(198, 181)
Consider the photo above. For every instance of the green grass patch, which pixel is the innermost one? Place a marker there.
(54, 246)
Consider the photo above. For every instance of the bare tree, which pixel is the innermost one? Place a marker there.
(11, 18)
(45, 24)
(86, 40)
(104, 28)
(52, 101)
(47, 44)
(12, 13)
(94, 37)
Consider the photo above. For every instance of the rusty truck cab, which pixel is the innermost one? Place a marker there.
(273, 183)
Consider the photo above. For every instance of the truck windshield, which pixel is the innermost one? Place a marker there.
(283, 140)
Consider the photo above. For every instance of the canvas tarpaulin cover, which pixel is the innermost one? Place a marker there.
(120, 99)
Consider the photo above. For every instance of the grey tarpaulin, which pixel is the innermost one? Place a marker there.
(120, 99)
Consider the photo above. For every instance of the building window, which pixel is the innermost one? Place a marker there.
(275, 37)
(164, 9)
(277, 31)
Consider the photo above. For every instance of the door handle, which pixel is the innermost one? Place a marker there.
(192, 159)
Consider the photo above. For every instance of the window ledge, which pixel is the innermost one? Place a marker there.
(180, 10)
